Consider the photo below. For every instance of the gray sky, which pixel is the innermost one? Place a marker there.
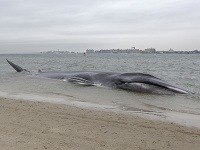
(77, 25)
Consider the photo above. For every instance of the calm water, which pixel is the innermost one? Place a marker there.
(182, 70)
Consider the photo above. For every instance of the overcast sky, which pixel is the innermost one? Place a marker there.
(77, 25)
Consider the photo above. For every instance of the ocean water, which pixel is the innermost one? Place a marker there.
(182, 70)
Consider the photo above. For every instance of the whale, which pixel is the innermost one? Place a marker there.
(135, 82)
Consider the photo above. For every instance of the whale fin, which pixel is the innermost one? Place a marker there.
(16, 67)
(151, 80)
(80, 81)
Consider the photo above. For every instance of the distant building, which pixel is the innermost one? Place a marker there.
(171, 50)
(150, 50)
(55, 52)
(196, 51)
(132, 50)
(89, 51)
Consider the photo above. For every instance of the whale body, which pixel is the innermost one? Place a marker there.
(136, 82)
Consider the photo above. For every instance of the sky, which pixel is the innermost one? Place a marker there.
(76, 25)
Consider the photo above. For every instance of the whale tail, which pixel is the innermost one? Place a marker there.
(16, 67)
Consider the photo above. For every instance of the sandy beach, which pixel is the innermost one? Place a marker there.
(36, 125)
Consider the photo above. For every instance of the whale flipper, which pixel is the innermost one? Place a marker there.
(146, 82)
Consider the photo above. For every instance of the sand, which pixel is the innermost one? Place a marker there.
(36, 125)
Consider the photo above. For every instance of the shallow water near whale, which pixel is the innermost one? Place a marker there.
(181, 70)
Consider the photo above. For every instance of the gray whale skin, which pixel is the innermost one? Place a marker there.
(136, 82)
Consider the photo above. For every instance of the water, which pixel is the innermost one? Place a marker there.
(181, 70)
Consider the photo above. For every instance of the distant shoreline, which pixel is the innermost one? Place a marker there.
(63, 53)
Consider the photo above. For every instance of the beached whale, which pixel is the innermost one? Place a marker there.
(136, 82)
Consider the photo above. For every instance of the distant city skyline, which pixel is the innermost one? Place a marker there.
(120, 51)
(75, 25)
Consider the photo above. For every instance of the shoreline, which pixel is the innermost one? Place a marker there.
(43, 125)
(184, 119)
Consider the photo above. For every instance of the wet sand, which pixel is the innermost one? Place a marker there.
(37, 125)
